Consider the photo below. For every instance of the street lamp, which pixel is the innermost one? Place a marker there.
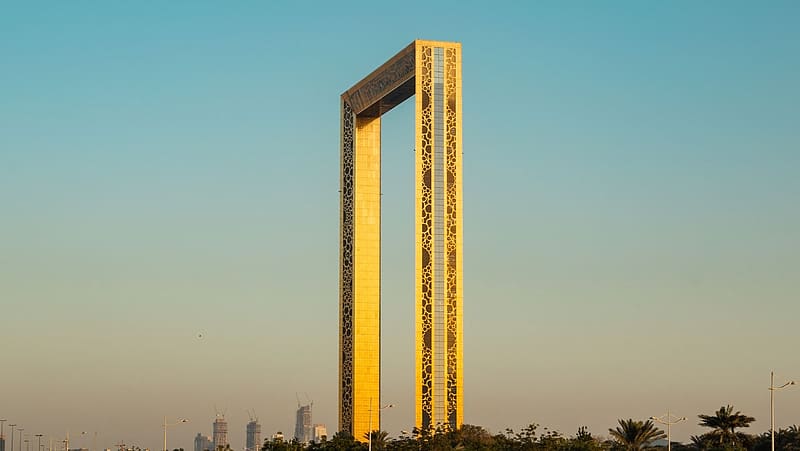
(668, 419)
(180, 420)
(39, 437)
(772, 389)
(369, 432)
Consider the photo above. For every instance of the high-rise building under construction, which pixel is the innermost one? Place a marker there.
(220, 432)
(303, 429)
(253, 435)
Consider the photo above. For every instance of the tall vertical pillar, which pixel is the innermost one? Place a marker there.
(439, 346)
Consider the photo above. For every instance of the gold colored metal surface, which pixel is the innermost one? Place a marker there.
(367, 343)
(432, 71)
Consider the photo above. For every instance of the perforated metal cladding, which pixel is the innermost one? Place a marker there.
(425, 208)
(371, 98)
(453, 196)
(439, 345)
(346, 271)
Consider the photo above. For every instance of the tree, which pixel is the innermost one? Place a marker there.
(635, 435)
(723, 426)
(583, 441)
(473, 438)
(379, 439)
(785, 440)
(342, 441)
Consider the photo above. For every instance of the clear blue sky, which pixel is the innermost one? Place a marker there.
(169, 169)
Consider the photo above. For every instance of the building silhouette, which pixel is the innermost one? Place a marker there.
(220, 432)
(320, 433)
(303, 429)
(203, 443)
(253, 442)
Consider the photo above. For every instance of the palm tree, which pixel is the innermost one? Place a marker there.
(379, 439)
(636, 435)
(723, 425)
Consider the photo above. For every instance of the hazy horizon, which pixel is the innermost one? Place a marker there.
(170, 170)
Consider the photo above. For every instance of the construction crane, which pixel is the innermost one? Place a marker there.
(252, 414)
(219, 413)
(310, 402)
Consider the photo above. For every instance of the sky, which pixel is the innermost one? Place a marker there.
(169, 212)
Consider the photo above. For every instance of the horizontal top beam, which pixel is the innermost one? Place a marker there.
(390, 84)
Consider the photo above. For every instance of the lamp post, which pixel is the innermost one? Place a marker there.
(39, 438)
(668, 419)
(180, 420)
(772, 389)
(369, 432)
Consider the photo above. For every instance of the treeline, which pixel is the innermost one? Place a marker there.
(724, 434)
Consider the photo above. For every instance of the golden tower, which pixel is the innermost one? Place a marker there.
(432, 71)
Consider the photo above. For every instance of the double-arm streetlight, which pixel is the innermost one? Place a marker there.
(166, 425)
(668, 419)
(772, 389)
(369, 432)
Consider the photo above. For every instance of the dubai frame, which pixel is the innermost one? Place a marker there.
(432, 71)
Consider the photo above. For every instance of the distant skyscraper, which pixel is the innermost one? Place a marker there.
(2, 444)
(220, 432)
(203, 443)
(253, 435)
(320, 431)
(303, 430)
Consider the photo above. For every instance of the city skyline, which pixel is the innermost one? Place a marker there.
(168, 240)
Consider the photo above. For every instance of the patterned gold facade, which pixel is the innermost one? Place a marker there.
(432, 71)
